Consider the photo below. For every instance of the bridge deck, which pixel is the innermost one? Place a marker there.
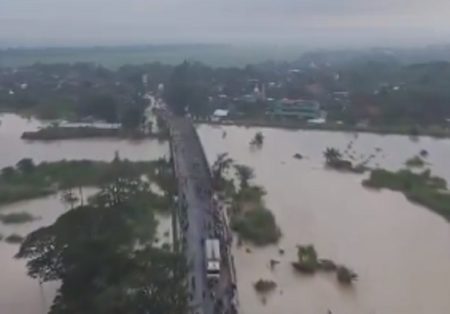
(200, 219)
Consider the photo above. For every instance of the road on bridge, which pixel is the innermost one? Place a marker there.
(200, 219)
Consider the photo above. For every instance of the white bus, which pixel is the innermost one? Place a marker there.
(212, 247)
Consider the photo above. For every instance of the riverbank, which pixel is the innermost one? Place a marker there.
(64, 133)
(437, 132)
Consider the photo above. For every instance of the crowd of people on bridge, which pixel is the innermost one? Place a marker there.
(222, 294)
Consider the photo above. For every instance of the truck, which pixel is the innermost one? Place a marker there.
(212, 247)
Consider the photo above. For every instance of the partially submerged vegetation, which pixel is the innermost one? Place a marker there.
(345, 275)
(64, 133)
(258, 140)
(335, 160)
(308, 262)
(249, 216)
(28, 180)
(422, 188)
(264, 286)
(106, 260)
(415, 162)
(307, 259)
(257, 226)
(14, 239)
(17, 218)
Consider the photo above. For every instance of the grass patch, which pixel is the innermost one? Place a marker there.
(17, 218)
(422, 188)
(14, 239)
(257, 226)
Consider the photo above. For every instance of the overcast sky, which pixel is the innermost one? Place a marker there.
(317, 22)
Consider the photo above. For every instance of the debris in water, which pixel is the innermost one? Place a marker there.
(273, 263)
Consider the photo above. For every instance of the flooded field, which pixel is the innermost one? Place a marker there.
(401, 251)
(14, 149)
(19, 294)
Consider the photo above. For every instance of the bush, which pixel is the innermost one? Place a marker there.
(16, 218)
(264, 286)
(26, 165)
(307, 259)
(14, 239)
(8, 172)
(345, 275)
(415, 161)
(257, 226)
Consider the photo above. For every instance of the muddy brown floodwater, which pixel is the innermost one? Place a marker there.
(20, 294)
(401, 251)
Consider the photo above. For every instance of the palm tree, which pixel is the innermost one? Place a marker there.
(332, 154)
(222, 163)
(258, 140)
(245, 174)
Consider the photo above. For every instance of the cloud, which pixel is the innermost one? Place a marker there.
(131, 21)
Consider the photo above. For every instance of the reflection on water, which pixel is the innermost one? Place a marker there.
(401, 251)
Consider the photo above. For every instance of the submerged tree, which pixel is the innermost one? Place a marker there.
(103, 254)
(245, 174)
(332, 154)
(222, 164)
(69, 197)
(258, 140)
(26, 165)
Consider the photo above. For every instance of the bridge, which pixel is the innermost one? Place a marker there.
(199, 217)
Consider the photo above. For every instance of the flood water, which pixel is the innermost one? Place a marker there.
(19, 294)
(13, 148)
(401, 251)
